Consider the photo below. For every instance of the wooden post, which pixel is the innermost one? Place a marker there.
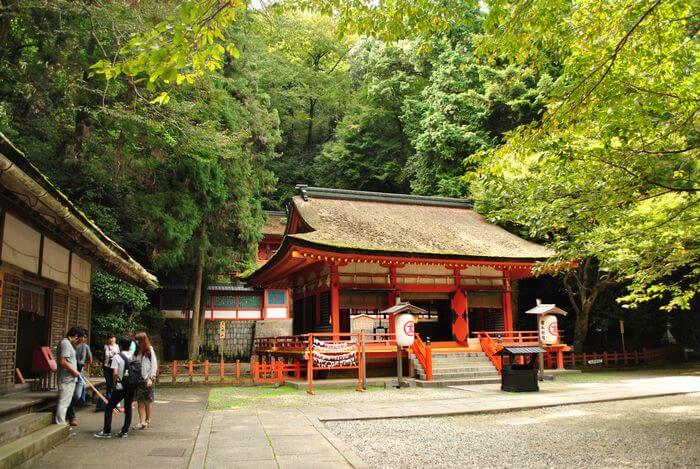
(221, 370)
(335, 302)
(360, 372)
(206, 371)
(507, 304)
(605, 358)
(363, 357)
(191, 372)
(238, 370)
(560, 359)
(174, 371)
(310, 366)
(399, 365)
(429, 361)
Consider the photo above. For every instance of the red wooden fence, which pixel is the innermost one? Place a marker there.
(614, 358)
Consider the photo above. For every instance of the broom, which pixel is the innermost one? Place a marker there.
(99, 394)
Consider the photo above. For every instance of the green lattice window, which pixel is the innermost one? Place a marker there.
(225, 301)
(250, 302)
(276, 297)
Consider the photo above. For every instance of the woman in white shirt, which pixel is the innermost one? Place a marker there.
(149, 370)
(111, 350)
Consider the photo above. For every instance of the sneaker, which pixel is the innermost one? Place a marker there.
(73, 422)
(102, 434)
(122, 435)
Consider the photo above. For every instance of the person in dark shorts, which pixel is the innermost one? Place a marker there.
(145, 387)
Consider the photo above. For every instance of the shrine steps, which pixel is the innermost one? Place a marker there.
(458, 368)
(443, 383)
(28, 436)
(26, 429)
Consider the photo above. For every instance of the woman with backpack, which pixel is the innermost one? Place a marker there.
(145, 387)
(126, 372)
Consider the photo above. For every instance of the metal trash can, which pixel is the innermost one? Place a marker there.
(519, 368)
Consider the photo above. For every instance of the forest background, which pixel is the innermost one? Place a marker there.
(573, 123)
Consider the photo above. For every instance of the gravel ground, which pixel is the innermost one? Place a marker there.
(657, 432)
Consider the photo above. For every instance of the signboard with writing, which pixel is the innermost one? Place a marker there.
(222, 330)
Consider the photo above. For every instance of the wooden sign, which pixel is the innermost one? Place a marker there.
(222, 330)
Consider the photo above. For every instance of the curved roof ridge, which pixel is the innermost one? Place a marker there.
(308, 192)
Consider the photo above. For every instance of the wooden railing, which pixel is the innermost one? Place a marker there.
(274, 372)
(202, 372)
(292, 343)
(614, 358)
(424, 354)
(510, 337)
(492, 342)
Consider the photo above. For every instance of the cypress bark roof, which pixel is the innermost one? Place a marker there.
(275, 223)
(406, 224)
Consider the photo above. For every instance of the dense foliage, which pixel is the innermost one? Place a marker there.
(173, 124)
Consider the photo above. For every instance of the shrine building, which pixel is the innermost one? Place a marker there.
(347, 255)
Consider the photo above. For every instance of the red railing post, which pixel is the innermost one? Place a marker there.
(429, 361)
(238, 370)
(222, 370)
(174, 371)
(206, 371)
(191, 372)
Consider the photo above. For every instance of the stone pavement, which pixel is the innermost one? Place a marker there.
(168, 443)
(261, 439)
(489, 399)
(184, 434)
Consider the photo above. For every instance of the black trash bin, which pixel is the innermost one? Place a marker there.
(519, 377)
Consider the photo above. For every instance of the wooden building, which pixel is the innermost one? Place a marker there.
(347, 255)
(48, 250)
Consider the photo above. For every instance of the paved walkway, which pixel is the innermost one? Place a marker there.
(167, 444)
(261, 439)
(184, 434)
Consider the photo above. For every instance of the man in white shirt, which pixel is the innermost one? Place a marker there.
(125, 377)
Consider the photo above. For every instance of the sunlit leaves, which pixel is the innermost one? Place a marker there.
(187, 44)
(612, 170)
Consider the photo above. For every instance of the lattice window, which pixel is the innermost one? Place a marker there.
(250, 302)
(225, 301)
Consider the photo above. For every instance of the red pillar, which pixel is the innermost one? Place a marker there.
(391, 297)
(507, 304)
(460, 323)
(335, 302)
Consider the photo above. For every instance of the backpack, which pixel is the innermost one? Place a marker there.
(132, 371)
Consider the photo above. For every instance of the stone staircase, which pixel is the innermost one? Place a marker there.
(25, 433)
(456, 368)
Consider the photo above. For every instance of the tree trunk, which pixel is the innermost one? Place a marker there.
(310, 125)
(581, 326)
(196, 309)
